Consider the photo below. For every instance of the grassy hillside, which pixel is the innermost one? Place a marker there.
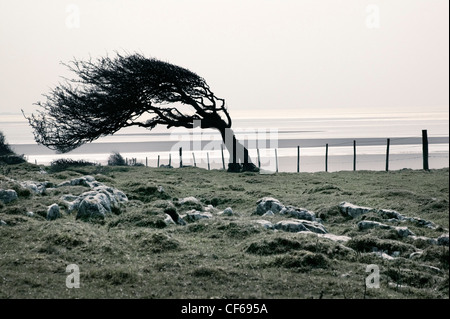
(133, 254)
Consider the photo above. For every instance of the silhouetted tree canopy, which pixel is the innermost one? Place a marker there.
(113, 93)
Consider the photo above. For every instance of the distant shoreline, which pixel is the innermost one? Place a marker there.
(166, 146)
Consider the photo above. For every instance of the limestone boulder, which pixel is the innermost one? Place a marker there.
(264, 223)
(298, 213)
(195, 215)
(353, 210)
(227, 212)
(53, 212)
(8, 195)
(268, 204)
(297, 225)
(93, 206)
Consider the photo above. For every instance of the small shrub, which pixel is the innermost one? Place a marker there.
(66, 163)
(12, 159)
(115, 159)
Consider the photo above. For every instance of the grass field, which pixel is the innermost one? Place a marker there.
(133, 254)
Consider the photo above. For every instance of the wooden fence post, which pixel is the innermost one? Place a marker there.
(207, 156)
(223, 158)
(193, 156)
(181, 157)
(354, 155)
(259, 159)
(158, 161)
(425, 149)
(387, 154)
(298, 159)
(276, 160)
(326, 158)
(170, 159)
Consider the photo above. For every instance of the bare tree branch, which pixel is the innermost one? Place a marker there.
(112, 93)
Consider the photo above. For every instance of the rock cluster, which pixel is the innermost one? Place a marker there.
(97, 202)
(271, 206)
(390, 215)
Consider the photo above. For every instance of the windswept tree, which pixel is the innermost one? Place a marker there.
(113, 93)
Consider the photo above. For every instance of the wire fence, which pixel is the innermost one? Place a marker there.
(308, 156)
(415, 156)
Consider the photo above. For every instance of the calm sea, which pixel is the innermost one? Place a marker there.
(276, 139)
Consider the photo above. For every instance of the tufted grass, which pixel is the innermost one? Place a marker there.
(134, 254)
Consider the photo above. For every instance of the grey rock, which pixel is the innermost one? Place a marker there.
(168, 220)
(29, 214)
(68, 198)
(3, 223)
(431, 241)
(336, 238)
(8, 195)
(62, 184)
(53, 212)
(264, 223)
(88, 181)
(368, 224)
(189, 200)
(92, 207)
(443, 240)
(35, 187)
(210, 209)
(390, 214)
(269, 213)
(227, 212)
(298, 213)
(416, 255)
(353, 210)
(291, 226)
(273, 206)
(297, 225)
(404, 231)
(268, 203)
(194, 215)
(384, 255)
(109, 198)
(421, 222)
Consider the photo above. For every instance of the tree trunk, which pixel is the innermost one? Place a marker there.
(239, 161)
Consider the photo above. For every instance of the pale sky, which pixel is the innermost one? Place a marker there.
(272, 57)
